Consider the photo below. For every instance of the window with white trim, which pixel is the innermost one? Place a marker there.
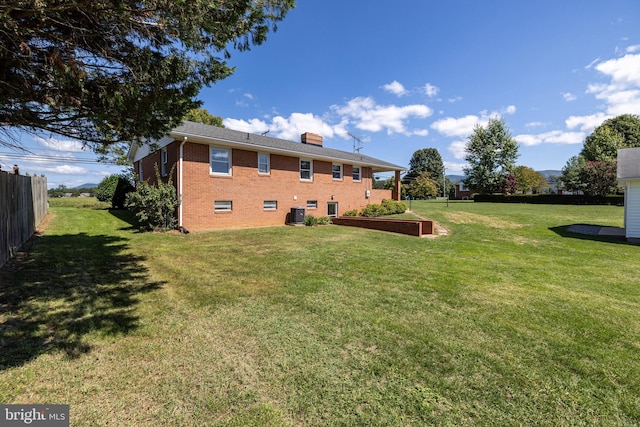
(140, 171)
(306, 170)
(220, 161)
(356, 173)
(336, 171)
(163, 161)
(264, 163)
(222, 205)
(270, 205)
(312, 204)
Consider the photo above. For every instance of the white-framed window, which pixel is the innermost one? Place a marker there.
(222, 205)
(312, 204)
(163, 161)
(306, 170)
(220, 161)
(356, 173)
(140, 178)
(264, 163)
(270, 205)
(336, 171)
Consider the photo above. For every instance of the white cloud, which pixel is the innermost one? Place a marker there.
(65, 170)
(586, 123)
(458, 127)
(451, 167)
(289, 128)
(365, 114)
(553, 137)
(454, 99)
(395, 88)
(569, 96)
(298, 123)
(535, 124)
(421, 132)
(511, 109)
(624, 72)
(431, 90)
(592, 63)
(463, 126)
(458, 149)
(251, 126)
(248, 95)
(72, 146)
(633, 49)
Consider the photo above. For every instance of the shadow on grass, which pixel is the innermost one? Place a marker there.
(589, 232)
(126, 216)
(58, 290)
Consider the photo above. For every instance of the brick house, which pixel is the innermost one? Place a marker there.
(231, 179)
(462, 192)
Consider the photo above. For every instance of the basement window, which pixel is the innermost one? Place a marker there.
(312, 204)
(270, 205)
(222, 206)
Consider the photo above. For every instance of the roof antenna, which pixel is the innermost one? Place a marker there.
(357, 143)
(265, 132)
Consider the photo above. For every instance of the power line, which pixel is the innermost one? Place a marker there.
(48, 158)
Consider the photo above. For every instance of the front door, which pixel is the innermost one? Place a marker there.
(332, 209)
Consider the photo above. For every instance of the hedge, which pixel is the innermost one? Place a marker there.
(551, 199)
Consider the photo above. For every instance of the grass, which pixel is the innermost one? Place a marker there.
(508, 320)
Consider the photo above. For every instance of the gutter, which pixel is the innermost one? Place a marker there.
(180, 155)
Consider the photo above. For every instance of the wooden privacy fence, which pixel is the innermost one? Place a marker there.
(23, 204)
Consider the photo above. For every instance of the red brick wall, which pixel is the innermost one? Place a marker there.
(248, 190)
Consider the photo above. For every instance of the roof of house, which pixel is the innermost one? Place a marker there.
(629, 163)
(199, 132)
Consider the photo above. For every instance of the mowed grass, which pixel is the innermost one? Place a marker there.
(508, 320)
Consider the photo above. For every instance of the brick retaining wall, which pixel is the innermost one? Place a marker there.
(412, 227)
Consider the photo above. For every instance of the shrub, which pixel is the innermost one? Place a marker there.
(551, 199)
(310, 220)
(114, 189)
(352, 212)
(373, 210)
(155, 205)
(394, 207)
(388, 207)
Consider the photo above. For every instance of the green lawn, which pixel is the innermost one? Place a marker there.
(508, 320)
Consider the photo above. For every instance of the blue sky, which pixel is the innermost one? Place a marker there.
(414, 74)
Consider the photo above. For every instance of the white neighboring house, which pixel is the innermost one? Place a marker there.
(629, 178)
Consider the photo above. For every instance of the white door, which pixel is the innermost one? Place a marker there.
(332, 209)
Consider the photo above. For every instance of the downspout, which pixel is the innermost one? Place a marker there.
(180, 167)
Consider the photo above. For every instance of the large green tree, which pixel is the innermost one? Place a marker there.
(491, 153)
(426, 160)
(118, 70)
(603, 143)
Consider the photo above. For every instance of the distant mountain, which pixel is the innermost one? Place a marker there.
(456, 178)
(84, 186)
(548, 173)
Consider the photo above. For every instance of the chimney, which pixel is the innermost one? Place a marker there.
(311, 138)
